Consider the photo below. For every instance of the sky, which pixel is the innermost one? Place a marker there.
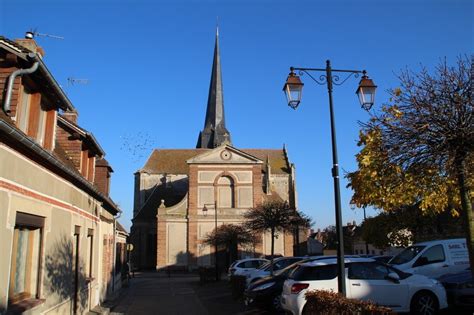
(147, 68)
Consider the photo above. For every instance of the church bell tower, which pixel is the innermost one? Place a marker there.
(215, 132)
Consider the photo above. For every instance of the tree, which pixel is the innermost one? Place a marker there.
(230, 236)
(276, 217)
(385, 229)
(418, 150)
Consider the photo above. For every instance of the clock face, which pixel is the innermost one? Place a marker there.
(226, 155)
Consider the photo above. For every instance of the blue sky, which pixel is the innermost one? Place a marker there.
(148, 67)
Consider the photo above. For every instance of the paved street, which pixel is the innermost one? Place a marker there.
(152, 293)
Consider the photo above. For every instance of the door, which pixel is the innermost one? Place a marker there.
(368, 281)
(432, 262)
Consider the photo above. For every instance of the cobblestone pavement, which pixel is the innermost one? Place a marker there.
(153, 293)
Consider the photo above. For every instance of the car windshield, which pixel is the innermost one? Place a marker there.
(406, 255)
(286, 271)
(265, 265)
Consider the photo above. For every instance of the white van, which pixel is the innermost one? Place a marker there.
(433, 258)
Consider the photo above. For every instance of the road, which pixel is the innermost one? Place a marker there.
(153, 293)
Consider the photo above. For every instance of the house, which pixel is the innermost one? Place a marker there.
(57, 220)
(181, 195)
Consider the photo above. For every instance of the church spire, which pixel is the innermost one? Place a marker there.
(215, 133)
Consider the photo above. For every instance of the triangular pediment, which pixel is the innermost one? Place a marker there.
(224, 154)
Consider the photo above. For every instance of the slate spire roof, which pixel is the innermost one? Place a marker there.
(215, 132)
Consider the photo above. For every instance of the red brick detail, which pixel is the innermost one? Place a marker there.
(72, 147)
(39, 197)
(257, 185)
(192, 196)
(102, 178)
(161, 244)
(4, 74)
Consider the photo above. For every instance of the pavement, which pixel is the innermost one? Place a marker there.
(156, 293)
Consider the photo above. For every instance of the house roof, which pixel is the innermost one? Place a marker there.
(173, 161)
(86, 135)
(42, 75)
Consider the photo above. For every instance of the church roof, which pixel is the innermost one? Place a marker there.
(173, 161)
(215, 132)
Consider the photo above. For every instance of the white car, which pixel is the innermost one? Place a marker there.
(366, 279)
(241, 267)
(264, 270)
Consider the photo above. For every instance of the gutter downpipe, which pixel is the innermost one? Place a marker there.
(11, 80)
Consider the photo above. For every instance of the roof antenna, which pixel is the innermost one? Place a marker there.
(32, 33)
(71, 81)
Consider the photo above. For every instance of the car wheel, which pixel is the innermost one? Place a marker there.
(424, 303)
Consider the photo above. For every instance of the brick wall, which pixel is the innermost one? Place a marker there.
(71, 147)
(257, 185)
(4, 74)
(102, 178)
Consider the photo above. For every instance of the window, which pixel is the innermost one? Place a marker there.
(26, 256)
(406, 255)
(23, 110)
(90, 239)
(431, 255)
(307, 273)
(367, 271)
(225, 189)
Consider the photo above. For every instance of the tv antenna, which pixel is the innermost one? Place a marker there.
(33, 33)
(72, 81)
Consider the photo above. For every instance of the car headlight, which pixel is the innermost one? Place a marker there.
(264, 286)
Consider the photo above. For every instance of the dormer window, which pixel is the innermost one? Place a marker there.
(34, 118)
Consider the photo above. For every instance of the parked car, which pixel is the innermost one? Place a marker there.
(266, 291)
(382, 258)
(460, 289)
(366, 279)
(433, 258)
(240, 267)
(263, 271)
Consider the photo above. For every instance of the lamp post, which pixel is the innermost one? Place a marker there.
(204, 210)
(293, 89)
(365, 218)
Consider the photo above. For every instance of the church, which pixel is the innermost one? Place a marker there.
(180, 195)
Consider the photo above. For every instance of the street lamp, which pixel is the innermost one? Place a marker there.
(204, 211)
(293, 89)
(365, 218)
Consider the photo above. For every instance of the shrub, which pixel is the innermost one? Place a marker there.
(329, 303)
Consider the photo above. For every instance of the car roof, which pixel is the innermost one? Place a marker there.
(333, 261)
(445, 241)
(250, 259)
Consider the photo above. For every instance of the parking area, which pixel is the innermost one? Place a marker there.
(155, 293)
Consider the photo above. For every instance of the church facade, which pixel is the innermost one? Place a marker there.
(181, 194)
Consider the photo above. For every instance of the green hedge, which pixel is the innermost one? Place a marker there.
(329, 303)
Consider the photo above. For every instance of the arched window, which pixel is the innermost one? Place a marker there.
(225, 192)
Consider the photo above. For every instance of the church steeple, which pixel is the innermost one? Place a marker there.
(215, 133)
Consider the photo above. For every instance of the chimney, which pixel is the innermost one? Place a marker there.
(29, 43)
(71, 116)
(102, 175)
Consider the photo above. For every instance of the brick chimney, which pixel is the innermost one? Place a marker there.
(102, 175)
(30, 43)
